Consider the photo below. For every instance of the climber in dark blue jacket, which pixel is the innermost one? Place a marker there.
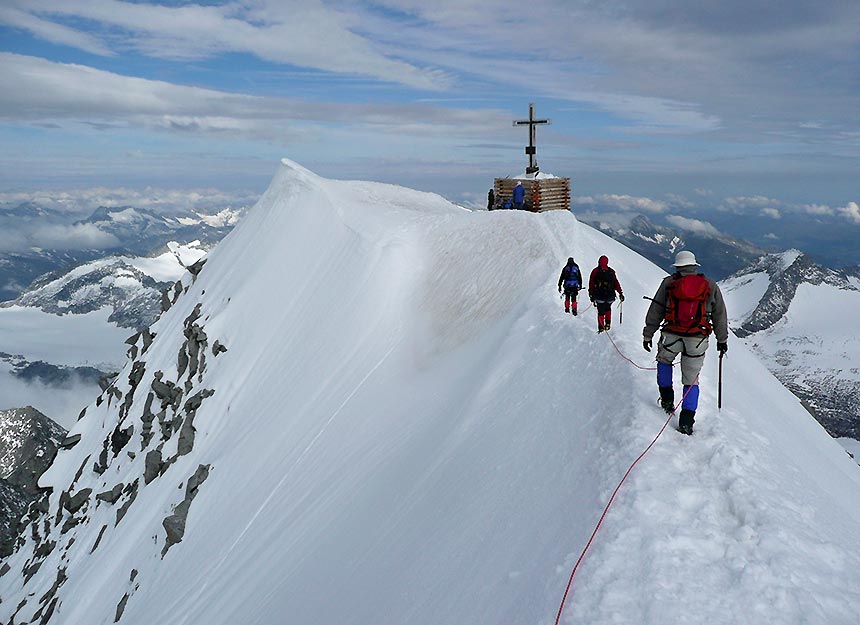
(571, 280)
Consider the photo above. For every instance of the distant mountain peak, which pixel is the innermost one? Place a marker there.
(19, 427)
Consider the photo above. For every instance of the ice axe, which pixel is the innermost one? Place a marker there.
(720, 383)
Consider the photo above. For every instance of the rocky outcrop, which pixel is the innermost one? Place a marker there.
(119, 454)
(28, 443)
(786, 272)
(174, 525)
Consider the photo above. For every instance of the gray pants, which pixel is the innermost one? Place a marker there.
(692, 350)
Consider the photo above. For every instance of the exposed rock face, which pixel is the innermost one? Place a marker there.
(786, 271)
(119, 453)
(13, 505)
(174, 525)
(28, 444)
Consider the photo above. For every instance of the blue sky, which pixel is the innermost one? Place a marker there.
(689, 106)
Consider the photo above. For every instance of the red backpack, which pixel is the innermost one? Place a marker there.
(687, 297)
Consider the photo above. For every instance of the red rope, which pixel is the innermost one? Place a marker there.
(626, 358)
(617, 488)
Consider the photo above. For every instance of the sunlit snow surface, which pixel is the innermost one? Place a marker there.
(170, 265)
(407, 429)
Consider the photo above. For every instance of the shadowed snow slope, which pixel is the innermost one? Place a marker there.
(407, 429)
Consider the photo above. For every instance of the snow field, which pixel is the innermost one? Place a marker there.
(406, 428)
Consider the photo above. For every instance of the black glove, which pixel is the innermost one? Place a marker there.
(722, 347)
(646, 343)
(621, 296)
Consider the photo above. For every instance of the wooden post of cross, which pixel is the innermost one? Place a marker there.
(531, 150)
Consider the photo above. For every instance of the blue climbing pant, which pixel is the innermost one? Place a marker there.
(692, 351)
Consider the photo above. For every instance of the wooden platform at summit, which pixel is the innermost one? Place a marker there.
(542, 194)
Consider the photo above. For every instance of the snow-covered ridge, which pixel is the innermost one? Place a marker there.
(785, 271)
(405, 428)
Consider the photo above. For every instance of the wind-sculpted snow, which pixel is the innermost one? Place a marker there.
(369, 408)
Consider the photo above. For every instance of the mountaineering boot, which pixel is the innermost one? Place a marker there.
(573, 311)
(667, 398)
(606, 326)
(685, 421)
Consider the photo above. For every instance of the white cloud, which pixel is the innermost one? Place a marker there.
(624, 203)
(35, 89)
(305, 34)
(50, 31)
(680, 201)
(773, 213)
(851, 212)
(73, 237)
(56, 236)
(745, 203)
(85, 201)
(696, 226)
(352, 39)
(817, 209)
(771, 235)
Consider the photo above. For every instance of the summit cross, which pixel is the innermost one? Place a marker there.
(531, 150)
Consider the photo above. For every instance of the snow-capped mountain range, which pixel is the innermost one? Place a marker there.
(67, 328)
(59, 338)
(798, 318)
(721, 254)
(43, 234)
(374, 419)
(130, 287)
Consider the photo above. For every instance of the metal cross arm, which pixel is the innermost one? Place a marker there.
(531, 150)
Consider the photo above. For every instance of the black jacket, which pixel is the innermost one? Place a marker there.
(570, 272)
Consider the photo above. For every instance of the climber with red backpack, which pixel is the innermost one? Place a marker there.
(602, 286)
(687, 308)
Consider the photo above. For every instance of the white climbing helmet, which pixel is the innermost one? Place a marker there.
(684, 259)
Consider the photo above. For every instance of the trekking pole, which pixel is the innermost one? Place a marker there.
(620, 312)
(720, 384)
